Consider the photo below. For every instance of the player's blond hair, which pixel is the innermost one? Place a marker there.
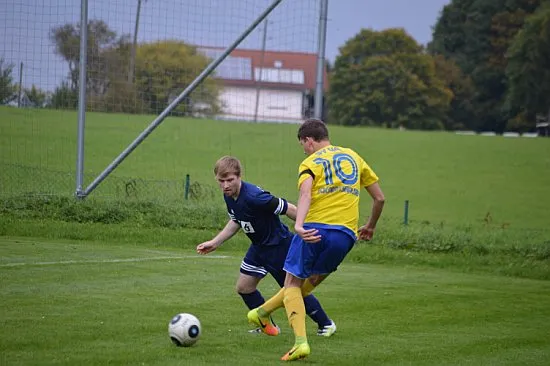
(227, 165)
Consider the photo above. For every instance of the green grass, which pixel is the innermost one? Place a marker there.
(482, 249)
(447, 178)
(69, 302)
(95, 282)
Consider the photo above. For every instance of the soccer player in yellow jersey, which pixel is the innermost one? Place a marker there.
(330, 180)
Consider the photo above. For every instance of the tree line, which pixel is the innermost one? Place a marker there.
(487, 68)
(115, 82)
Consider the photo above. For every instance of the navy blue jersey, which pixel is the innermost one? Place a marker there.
(257, 212)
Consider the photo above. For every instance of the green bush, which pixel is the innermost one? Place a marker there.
(140, 213)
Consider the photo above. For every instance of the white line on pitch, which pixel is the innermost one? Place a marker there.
(109, 260)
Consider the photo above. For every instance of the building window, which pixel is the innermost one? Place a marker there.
(271, 75)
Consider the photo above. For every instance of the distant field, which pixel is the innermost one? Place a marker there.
(447, 178)
(67, 302)
(95, 282)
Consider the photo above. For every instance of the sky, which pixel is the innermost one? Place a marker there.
(25, 26)
(347, 17)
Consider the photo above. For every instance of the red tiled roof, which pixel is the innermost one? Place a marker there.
(290, 61)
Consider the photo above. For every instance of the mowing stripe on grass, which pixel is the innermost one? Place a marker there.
(122, 260)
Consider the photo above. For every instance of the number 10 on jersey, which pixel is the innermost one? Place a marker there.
(335, 167)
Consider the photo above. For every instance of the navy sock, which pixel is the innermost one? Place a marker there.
(253, 299)
(315, 311)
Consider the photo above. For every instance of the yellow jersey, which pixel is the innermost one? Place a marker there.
(338, 175)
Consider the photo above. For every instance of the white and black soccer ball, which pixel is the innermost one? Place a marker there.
(184, 330)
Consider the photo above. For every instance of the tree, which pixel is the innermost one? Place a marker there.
(461, 113)
(164, 69)
(7, 87)
(121, 96)
(504, 27)
(36, 96)
(64, 97)
(385, 79)
(454, 34)
(475, 35)
(528, 71)
(67, 45)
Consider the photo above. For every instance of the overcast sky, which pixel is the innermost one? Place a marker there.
(25, 25)
(348, 17)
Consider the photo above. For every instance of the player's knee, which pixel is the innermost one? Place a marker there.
(245, 288)
(311, 283)
(315, 280)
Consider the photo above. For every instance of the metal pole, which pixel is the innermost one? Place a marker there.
(318, 111)
(406, 213)
(20, 85)
(157, 121)
(186, 188)
(82, 97)
(134, 46)
(259, 80)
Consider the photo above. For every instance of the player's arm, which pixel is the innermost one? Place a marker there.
(227, 232)
(366, 232)
(291, 211)
(304, 201)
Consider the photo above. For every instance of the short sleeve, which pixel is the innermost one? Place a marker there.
(368, 177)
(308, 169)
(266, 202)
(231, 215)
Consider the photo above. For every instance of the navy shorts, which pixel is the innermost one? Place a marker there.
(261, 260)
(305, 259)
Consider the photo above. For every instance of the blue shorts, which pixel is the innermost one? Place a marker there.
(261, 260)
(305, 259)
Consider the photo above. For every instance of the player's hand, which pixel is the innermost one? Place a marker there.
(366, 232)
(206, 247)
(308, 235)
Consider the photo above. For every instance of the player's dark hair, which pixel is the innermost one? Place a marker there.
(314, 128)
(227, 165)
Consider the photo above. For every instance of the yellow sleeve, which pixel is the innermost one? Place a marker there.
(368, 176)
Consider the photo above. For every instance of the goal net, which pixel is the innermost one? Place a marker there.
(141, 54)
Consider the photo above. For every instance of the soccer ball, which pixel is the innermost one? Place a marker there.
(184, 330)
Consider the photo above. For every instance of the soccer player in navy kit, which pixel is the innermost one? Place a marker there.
(256, 212)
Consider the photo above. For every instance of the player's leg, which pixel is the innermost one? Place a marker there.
(325, 326)
(315, 311)
(257, 316)
(305, 261)
(296, 313)
(337, 246)
(247, 288)
(298, 263)
(273, 259)
(251, 273)
(276, 301)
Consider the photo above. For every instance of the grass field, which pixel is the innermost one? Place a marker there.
(95, 282)
(89, 303)
(446, 177)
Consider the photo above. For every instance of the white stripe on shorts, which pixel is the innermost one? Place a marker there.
(250, 268)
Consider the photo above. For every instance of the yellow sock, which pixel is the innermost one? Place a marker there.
(307, 288)
(296, 313)
(272, 304)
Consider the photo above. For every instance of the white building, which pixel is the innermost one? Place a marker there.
(266, 86)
